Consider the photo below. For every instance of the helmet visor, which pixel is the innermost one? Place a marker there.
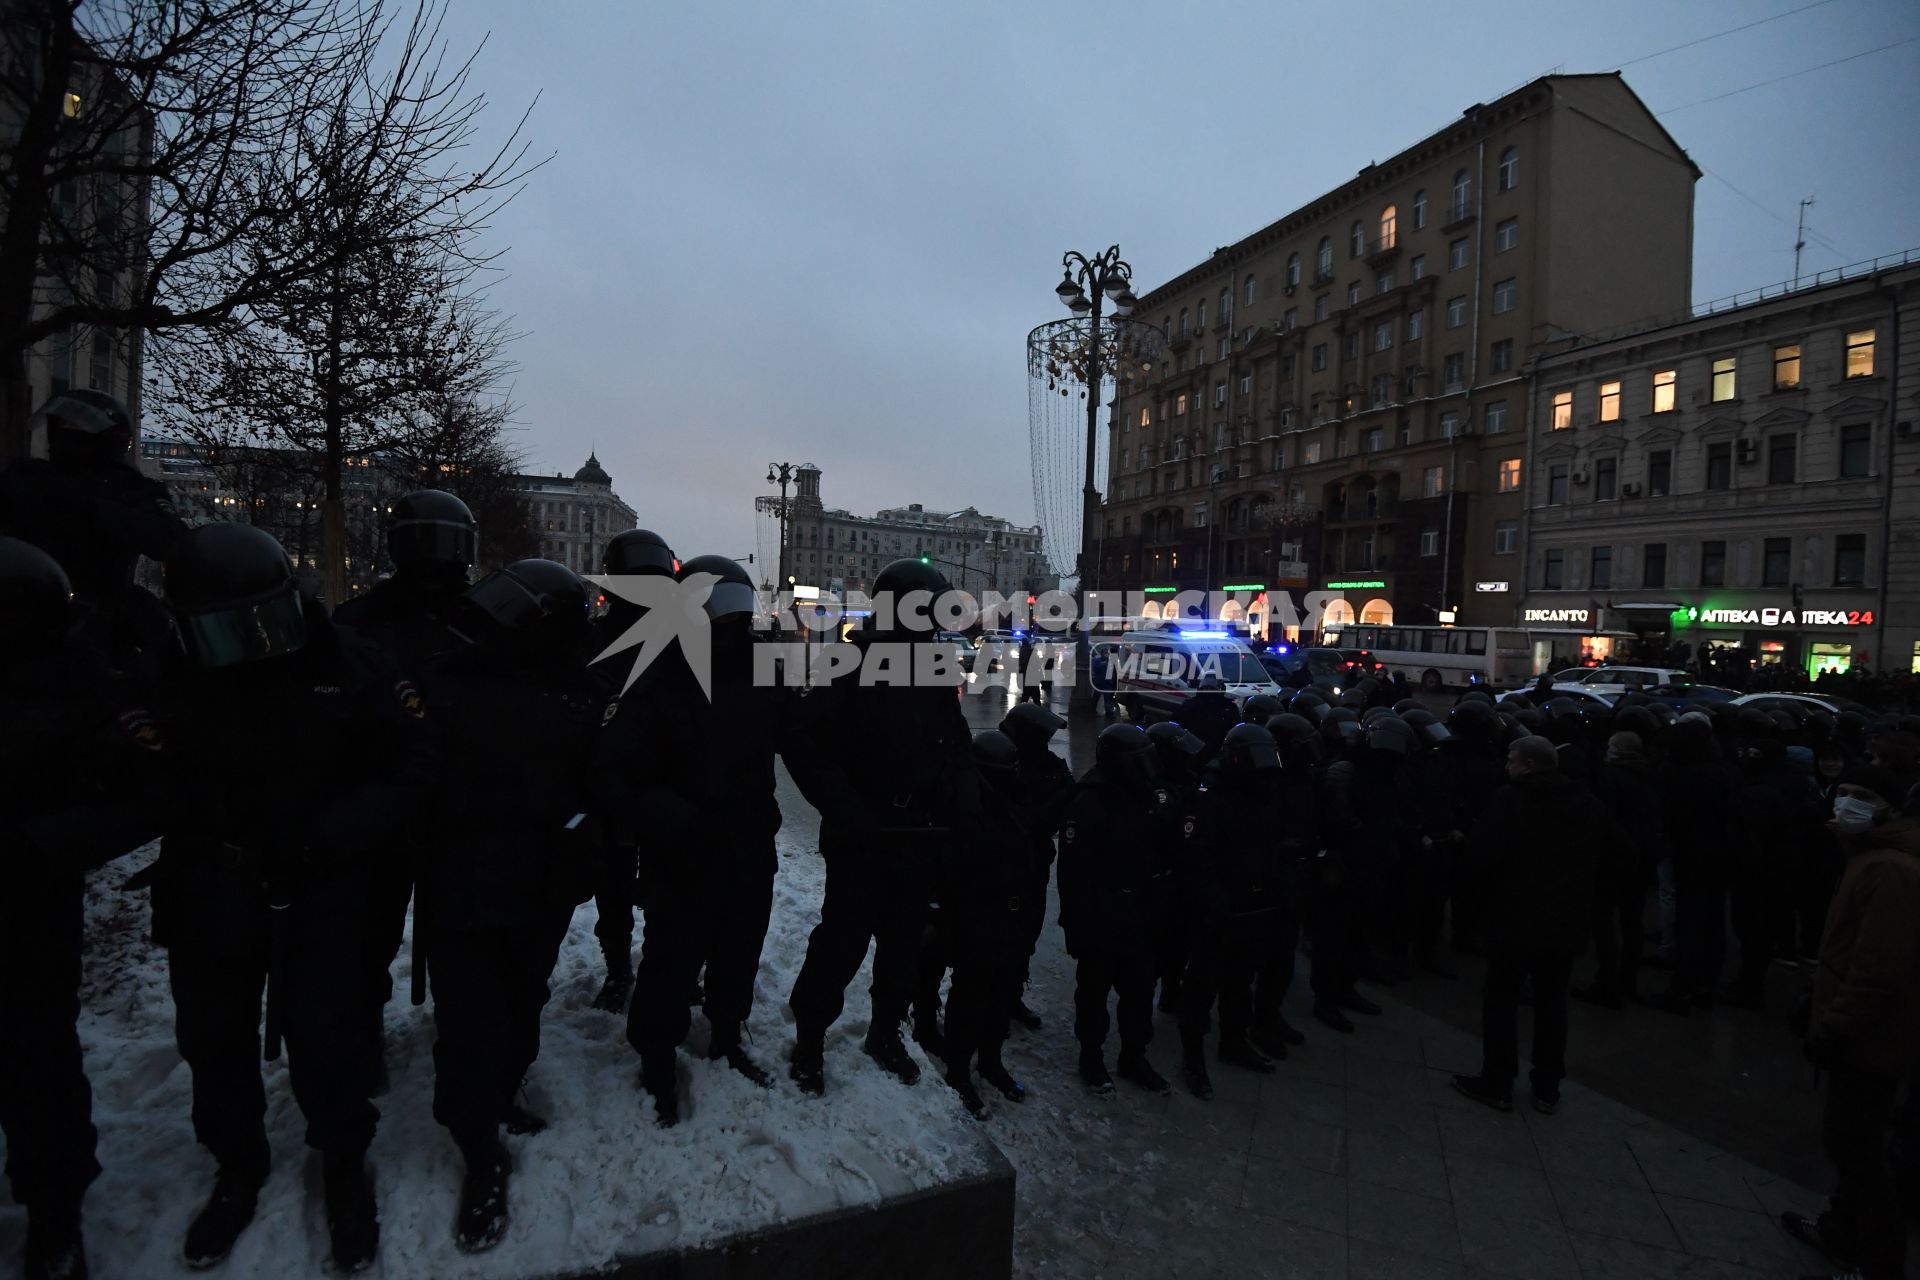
(1434, 734)
(506, 600)
(245, 633)
(730, 600)
(1256, 756)
(430, 542)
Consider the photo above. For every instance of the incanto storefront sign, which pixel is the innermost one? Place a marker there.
(1582, 616)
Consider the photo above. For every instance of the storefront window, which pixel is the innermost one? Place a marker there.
(1835, 658)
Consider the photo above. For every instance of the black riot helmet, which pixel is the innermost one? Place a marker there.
(1248, 750)
(1371, 714)
(540, 602)
(1308, 703)
(1178, 747)
(639, 552)
(1641, 719)
(1126, 757)
(1340, 727)
(431, 534)
(1752, 722)
(1405, 705)
(86, 428)
(996, 757)
(1475, 721)
(36, 601)
(233, 595)
(1392, 735)
(1426, 726)
(732, 597)
(1031, 726)
(1261, 707)
(904, 575)
(1297, 739)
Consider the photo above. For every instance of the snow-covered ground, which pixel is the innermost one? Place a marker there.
(600, 1183)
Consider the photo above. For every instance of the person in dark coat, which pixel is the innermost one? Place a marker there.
(632, 553)
(1235, 888)
(1110, 844)
(87, 505)
(1045, 783)
(694, 768)
(1180, 758)
(1539, 848)
(1699, 791)
(892, 775)
(418, 615)
(985, 893)
(1864, 1028)
(1372, 821)
(1475, 759)
(295, 754)
(82, 756)
(1625, 786)
(510, 859)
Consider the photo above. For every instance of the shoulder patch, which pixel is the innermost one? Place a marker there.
(1186, 828)
(613, 708)
(1066, 833)
(142, 728)
(410, 700)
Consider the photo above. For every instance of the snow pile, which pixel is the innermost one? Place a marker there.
(601, 1183)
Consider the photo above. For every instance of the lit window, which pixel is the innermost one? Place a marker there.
(1663, 389)
(1506, 294)
(1429, 542)
(1419, 210)
(1180, 403)
(1457, 254)
(1387, 230)
(1430, 483)
(1562, 410)
(1860, 354)
(1509, 475)
(1506, 235)
(1723, 378)
(1510, 168)
(1610, 402)
(1456, 312)
(1145, 420)
(1786, 367)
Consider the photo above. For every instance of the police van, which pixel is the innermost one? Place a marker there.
(1157, 672)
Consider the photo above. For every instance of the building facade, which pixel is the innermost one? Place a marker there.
(837, 551)
(572, 517)
(1740, 480)
(1339, 386)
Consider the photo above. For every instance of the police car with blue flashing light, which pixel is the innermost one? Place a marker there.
(1155, 673)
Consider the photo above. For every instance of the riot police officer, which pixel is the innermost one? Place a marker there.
(87, 506)
(80, 755)
(1045, 782)
(633, 553)
(693, 767)
(512, 856)
(294, 750)
(1180, 757)
(418, 614)
(892, 775)
(1110, 841)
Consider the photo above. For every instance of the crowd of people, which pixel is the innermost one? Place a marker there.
(475, 758)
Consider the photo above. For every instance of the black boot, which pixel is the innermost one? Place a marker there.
(54, 1248)
(1193, 1066)
(961, 1080)
(807, 1066)
(518, 1120)
(1135, 1069)
(725, 1047)
(884, 1046)
(482, 1220)
(660, 1077)
(618, 986)
(995, 1073)
(1272, 1034)
(225, 1215)
(1351, 999)
(1236, 1050)
(1093, 1072)
(1329, 1012)
(926, 1030)
(353, 1218)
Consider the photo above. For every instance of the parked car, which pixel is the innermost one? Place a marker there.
(1609, 678)
(1689, 697)
(1322, 669)
(1800, 704)
(1583, 696)
(962, 646)
(1155, 673)
(1361, 663)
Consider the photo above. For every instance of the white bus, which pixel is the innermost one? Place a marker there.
(1503, 657)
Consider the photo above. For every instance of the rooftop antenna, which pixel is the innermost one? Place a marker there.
(1800, 240)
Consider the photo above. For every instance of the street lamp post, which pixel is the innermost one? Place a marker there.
(1086, 286)
(782, 473)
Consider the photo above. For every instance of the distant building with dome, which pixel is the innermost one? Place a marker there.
(572, 517)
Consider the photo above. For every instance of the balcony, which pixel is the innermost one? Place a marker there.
(1457, 216)
(1179, 341)
(1382, 250)
(1322, 275)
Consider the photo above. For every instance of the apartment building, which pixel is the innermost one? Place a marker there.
(1341, 386)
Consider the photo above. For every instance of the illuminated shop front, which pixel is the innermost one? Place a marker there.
(1813, 638)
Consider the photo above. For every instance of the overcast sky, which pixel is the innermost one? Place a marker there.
(821, 231)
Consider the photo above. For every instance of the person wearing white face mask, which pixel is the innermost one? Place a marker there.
(1865, 1025)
